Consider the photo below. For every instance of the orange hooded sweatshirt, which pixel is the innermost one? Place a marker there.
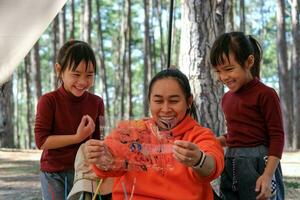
(180, 182)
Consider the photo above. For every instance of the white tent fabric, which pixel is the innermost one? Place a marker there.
(21, 24)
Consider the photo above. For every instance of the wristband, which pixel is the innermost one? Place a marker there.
(201, 161)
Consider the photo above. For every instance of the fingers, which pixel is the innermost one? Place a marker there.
(186, 152)
(264, 189)
(88, 122)
(85, 128)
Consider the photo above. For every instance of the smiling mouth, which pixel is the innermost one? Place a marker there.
(167, 124)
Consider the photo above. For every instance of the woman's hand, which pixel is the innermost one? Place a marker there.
(186, 152)
(189, 154)
(85, 128)
(96, 152)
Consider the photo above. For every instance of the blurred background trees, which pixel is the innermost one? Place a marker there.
(130, 41)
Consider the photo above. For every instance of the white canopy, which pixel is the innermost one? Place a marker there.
(22, 22)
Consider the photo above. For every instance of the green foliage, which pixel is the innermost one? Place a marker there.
(260, 22)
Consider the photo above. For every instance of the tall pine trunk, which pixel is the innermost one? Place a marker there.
(296, 73)
(202, 22)
(284, 74)
(6, 115)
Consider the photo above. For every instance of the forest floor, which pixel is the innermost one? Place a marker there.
(19, 174)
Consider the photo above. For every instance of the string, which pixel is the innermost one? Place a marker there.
(97, 190)
(170, 33)
(132, 190)
(124, 190)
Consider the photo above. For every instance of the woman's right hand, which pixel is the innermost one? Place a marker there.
(85, 128)
(96, 152)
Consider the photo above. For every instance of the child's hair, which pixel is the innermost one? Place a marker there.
(72, 53)
(182, 81)
(240, 46)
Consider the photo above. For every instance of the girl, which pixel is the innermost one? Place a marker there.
(66, 118)
(255, 135)
(151, 144)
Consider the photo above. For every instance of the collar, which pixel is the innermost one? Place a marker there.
(70, 96)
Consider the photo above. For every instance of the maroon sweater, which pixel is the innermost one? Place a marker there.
(253, 118)
(60, 113)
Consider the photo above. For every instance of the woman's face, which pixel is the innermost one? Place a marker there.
(168, 104)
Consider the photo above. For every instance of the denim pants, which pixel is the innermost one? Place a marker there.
(56, 186)
(243, 166)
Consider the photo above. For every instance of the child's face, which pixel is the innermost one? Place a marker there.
(232, 74)
(168, 103)
(78, 81)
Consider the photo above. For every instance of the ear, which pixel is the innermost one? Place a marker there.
(190, 101)
(57, 69)
(250, 61)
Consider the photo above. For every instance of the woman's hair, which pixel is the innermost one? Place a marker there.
(240, 46)
(182, 80)
(73, 52)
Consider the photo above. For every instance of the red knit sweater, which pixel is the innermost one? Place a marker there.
(253, 118)
(60, 113)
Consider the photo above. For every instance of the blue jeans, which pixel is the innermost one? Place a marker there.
(243, 166)
(57, 185)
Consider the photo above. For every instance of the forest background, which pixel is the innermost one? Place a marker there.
(130, 39)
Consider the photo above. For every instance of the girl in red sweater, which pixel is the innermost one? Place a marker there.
(169, 156)
(66, 118)
(255, 135)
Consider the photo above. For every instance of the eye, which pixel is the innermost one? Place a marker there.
(158, 101)
(174, 101)
(90, 75)
(229, 69)
(76, 75)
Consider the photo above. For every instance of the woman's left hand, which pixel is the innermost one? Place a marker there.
(186, 152)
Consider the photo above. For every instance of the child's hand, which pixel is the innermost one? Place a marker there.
(85, 128)
(222, 140)
(263, 185)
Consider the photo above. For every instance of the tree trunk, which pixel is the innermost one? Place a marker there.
(28, 81)
(55, 42)
(124, 28)
(296, 73)
(128, 58)
(284, 74)
(87, 26)
(72, 20)
(6, 115)
(37, 67)
(242, 16)
(62, 26)
(230, 18)
(102, 70)
(202, 22)
(161, 36)
(147, 57)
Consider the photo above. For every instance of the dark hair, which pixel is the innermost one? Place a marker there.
(182, 81)
(241, 46)
(73, 52)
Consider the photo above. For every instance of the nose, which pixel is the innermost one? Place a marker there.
(222, 76)
(83, 80)
(165, 107)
